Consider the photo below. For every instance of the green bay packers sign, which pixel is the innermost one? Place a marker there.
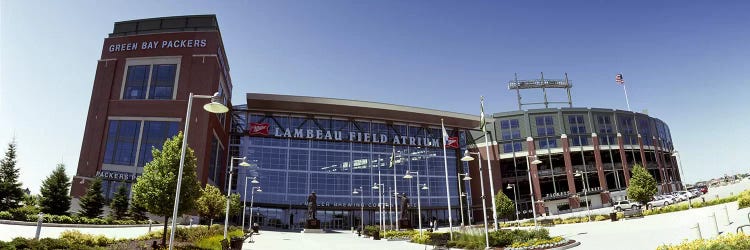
(262, 129)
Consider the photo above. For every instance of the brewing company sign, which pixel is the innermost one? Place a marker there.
(262, 129)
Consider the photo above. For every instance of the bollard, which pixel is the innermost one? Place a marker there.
(698, 230)
(149, 225)
(716, 225)
(40, 218)
(726, 212)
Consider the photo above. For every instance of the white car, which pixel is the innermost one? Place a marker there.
(625, 205)
(660, 201)
(687, 195)
(681, 195)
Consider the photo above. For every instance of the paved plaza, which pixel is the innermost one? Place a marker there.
(336, 240)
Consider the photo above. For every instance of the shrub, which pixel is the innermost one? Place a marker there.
(540, 242)
(370, 230)
(601, 218)
(727, 241)
(467, 241)
(22, 213)
(744, 199)
(76, 238)
(5, 215)
(392, 234)
(421, 239)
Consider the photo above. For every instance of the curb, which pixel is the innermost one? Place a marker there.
(27, 223)
(575, 244)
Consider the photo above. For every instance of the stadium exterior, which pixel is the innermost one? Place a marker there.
(601, 145)
(297, 145)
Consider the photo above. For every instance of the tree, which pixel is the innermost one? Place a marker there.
(235, 205)
(503, 205)
(155, 189)
(119, 204)
(93, 201)
(137, 211)
(54, 191)
(11, 193)
(642, 185)
(211, 203)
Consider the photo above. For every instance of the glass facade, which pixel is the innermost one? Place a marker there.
(289, 168)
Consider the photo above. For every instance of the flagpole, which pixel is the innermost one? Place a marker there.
(489, 166)
(626, 96)
(395, 187)
(380, 199)
(447, 188)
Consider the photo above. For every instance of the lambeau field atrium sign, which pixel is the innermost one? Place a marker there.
(261, 129)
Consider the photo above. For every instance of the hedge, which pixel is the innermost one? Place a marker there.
(726, 241)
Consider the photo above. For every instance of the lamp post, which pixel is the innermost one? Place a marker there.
(585, 191)
(229, 189)
(379, 187)
(214, 107)
(531, 186)
(682, 173)
(244, 200)
(419, 200)
(361, 193)
(460, 200)
(467, 157)
(515, 197)
(252, 198)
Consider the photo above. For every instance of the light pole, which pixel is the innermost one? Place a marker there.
(682, 174)
(214, 107)
(379, 187)
(361, 193)
(515, 197)
(531, 186)
(229, 189)
(460, 200)
(585, 181)
(244, 200)
(419, 200)
(467, 157)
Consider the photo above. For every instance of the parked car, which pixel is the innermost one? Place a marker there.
(660, 201)
(625, 205)
(671, 197)
(680, 196)
(697, 193)
(684, 194)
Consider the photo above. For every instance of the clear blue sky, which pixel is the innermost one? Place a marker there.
(687, 64)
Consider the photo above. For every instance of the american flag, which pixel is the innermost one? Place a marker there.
(619, 80)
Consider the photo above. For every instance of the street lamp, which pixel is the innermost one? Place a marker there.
(682, 174)
(361, 193)
(379, 187)
(531, 186)
(244, 200)
(585, 181)
(467, 157)
(460, 200)
(214, 107)
(229, 189)
(252, 198)
(419, 200)
(515, 197)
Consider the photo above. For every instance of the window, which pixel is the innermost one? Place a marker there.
(122, 139)
(605, 130)
(577, 130)
(162, 81)
(153, 79)
(510, 130)
(122, 146)
(154, 135)
(545, 128)
(136, 81)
